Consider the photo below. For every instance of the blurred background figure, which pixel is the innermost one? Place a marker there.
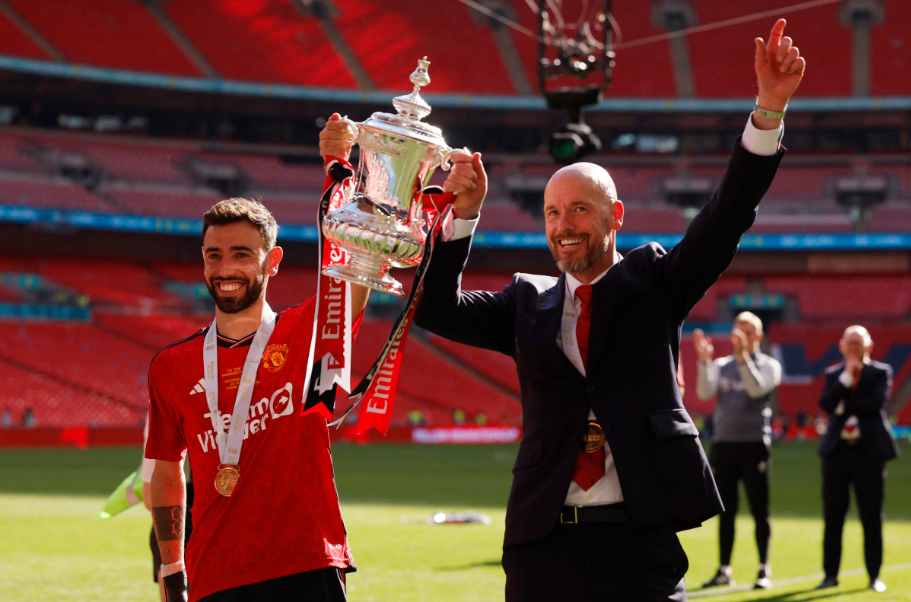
(742, 437)
(854, 450)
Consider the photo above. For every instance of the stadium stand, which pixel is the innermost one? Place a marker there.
(15, 42)
(57, 405)
(718, 74)
(271, 173)
(267, 41)
(82, 357)
(112, 33)
(166, 203)
(890, 52)
(388, 44)
(428, 374)
(497, 367)
(12, 155)
(55, 193)
(879, 297)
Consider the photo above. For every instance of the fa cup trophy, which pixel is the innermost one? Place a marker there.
(381, 225)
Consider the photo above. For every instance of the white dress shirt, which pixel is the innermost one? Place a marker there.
(607, 490)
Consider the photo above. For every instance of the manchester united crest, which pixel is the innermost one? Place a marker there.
(274, 357)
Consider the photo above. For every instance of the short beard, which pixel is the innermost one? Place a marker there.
(234, 305)
(580, 264)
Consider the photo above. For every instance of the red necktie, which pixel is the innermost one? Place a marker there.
(589, 467)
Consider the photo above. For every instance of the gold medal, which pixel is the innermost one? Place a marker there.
(593, 440)
(226, 479)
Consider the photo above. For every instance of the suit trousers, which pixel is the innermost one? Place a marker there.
(747, 462)
(619, 562)
(848, 465)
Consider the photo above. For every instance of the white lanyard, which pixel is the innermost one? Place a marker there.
(229, 445)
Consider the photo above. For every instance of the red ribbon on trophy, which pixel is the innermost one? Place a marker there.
(330, 343)
(377, 389)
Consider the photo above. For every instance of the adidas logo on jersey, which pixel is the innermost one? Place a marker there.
(199, 388)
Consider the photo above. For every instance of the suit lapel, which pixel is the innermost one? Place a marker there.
(549, 318)
(604, 295)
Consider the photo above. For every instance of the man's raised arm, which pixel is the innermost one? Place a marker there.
(477, 318)
(713, 237)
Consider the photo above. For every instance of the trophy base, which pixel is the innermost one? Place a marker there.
(384, 283)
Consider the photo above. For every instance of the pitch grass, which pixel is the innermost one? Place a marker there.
(54, 547)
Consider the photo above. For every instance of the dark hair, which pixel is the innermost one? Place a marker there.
(234, 210)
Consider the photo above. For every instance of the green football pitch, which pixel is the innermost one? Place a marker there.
(54, 547)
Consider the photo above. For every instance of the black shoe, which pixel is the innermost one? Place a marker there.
(828, 582)
(763, 580)
(877, 585)
(720, 578)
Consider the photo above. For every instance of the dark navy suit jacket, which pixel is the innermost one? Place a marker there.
(867, 402)
(631, 384)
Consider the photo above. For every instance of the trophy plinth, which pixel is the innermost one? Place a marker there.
(381, 226)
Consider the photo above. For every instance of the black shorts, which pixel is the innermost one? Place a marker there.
(188, 528)
(321, 585)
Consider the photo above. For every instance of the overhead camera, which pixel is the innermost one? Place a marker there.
(582, 60)
(576, 139)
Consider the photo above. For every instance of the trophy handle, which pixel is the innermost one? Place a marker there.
(445, 163)
(356, 127)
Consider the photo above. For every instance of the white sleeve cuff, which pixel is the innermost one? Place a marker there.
(169, 569)
(148, 467)
(761, 142)
(847, 379)
(455, 228)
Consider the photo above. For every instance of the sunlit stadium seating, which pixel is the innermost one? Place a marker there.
(727, 73)
(15, 42)
(495, 366)
(430, 375)
(267, 41)
(57, 405)
(106, 33)
(890, 52)
(81, 356)
(389, 43)
(274, 41)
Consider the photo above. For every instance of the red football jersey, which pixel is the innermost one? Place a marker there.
(284, 516)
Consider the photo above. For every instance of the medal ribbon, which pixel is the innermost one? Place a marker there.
(379, 386)
(229, 445)
(330, 342)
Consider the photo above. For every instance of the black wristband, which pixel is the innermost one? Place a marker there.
(175, 587)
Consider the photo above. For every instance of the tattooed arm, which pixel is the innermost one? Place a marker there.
(169, 508)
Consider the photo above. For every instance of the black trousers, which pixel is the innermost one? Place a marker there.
(619, 562)
(848, 465)
(323, 585)
(747, 462)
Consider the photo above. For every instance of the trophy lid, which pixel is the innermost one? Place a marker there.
(411, 109)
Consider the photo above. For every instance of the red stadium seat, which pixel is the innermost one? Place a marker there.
(15, 42)
(388, 44)
(266, 41)
(107, 33)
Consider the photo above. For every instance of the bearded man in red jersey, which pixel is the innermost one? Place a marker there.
(271, 528)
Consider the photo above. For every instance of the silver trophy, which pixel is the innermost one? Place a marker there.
(381, 226)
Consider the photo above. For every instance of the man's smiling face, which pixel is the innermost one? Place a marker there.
(580, 211)
(235, 265)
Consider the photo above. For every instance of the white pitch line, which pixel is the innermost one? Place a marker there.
(722, 591)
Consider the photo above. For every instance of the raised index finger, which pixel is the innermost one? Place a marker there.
(775, 35)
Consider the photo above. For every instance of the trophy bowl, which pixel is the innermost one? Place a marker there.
(381, 225)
